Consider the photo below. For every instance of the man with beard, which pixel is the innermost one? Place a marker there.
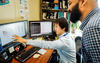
(89, 14)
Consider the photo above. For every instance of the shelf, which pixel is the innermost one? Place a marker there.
(53, 10)
(48, 19)
(49, 12)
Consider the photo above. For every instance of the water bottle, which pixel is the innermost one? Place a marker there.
(0, 45)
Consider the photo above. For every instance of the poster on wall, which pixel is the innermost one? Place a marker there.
(24, 9)
(4, 2)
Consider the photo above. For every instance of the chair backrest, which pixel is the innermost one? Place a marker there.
(78, 43)
(78, 49)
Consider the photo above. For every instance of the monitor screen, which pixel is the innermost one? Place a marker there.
(38, 28)
(10, 29)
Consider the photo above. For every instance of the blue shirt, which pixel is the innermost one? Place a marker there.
(65, 47)
(91, 37)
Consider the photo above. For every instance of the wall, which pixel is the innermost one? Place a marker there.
(34, 10)
(10, 12)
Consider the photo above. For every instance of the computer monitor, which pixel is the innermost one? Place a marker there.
(40, 28)
(1, 34)
(10, 29)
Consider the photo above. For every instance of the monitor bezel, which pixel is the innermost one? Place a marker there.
(40, 34)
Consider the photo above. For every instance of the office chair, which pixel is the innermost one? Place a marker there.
(78, 49)
(54, 58)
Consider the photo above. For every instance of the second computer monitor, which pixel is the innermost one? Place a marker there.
(40, 28)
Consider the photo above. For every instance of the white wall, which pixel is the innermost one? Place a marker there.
(34, 10)
(10, 11)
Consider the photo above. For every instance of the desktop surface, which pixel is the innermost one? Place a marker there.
(42, 59)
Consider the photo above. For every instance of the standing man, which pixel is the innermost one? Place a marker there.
(65, 45)
(89, 14)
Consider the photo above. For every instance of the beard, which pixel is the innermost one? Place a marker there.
(75, 14)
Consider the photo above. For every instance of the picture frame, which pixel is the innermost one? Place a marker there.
(4, 2)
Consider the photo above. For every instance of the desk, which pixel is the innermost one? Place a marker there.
(42, 59)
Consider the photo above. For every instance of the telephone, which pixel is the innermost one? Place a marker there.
(9, 51)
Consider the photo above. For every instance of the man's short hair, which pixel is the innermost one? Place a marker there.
(63, 23)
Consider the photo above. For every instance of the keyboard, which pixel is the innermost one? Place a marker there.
(25, 55)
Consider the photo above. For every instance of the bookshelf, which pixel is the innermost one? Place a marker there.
(53, 9)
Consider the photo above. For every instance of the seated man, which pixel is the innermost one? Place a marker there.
(65, 45)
